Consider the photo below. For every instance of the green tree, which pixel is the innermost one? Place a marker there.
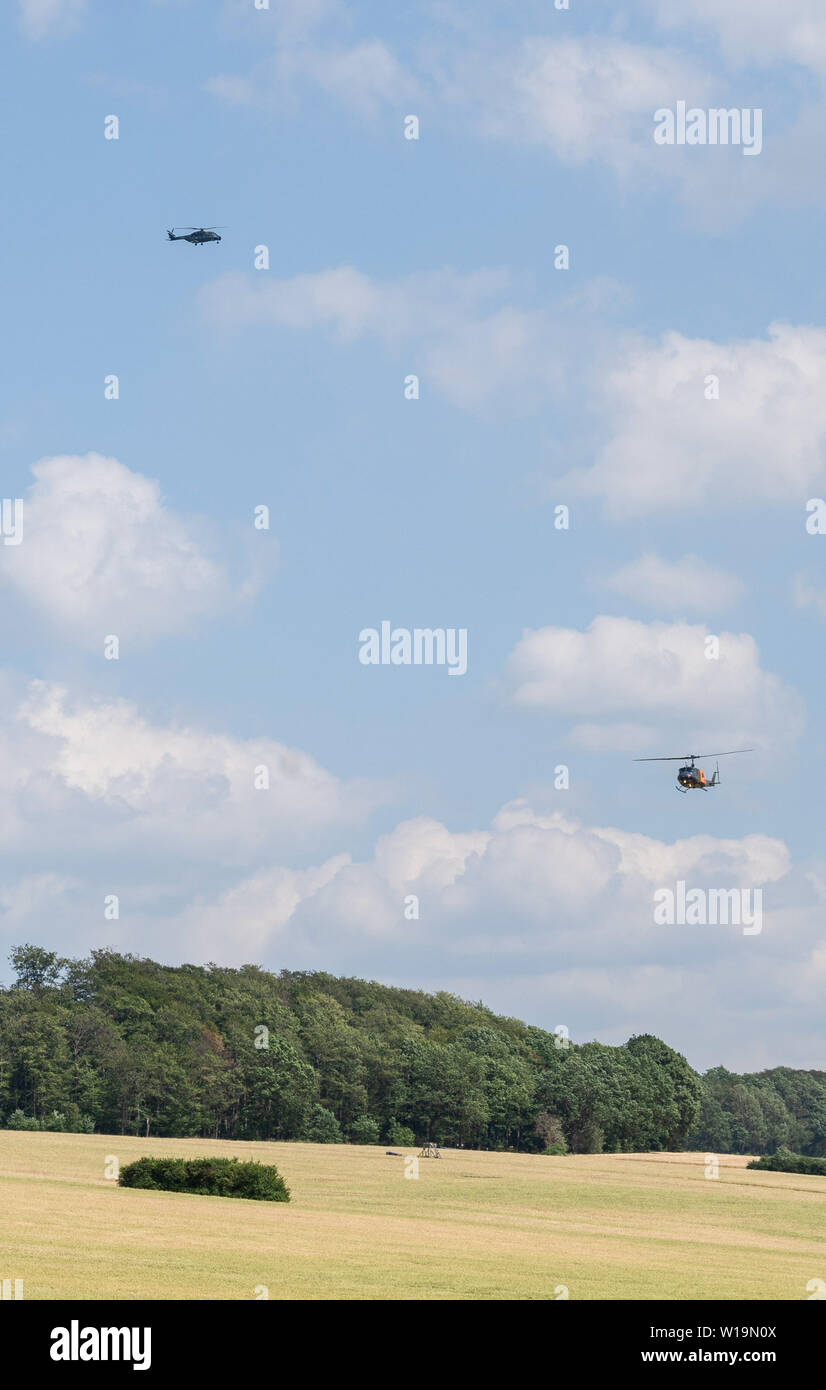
(364, 1130)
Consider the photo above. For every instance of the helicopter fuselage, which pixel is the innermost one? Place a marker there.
(693, 777)
(197, 238)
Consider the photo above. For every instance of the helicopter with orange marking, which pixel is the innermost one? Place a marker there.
(691, 778)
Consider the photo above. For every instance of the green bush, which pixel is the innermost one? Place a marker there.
(400, 1136)
(784, 1161)
(17, 1120)
(322, 1127)
(211, 1177)
(57, 1122)
(364, 1130)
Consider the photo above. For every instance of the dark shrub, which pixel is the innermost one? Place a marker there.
(69, 1122)
(400, 1136)
(211, 1177)
(17, 1120)
(784, 1161)
(322, 1126)
(364, 1130)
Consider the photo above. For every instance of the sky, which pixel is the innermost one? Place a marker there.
(532, 376)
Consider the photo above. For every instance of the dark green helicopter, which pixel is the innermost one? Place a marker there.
(691, 778)
(197, 236)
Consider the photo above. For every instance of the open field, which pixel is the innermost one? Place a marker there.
(473, 1226)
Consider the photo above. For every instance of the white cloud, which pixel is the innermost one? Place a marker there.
(551, 920)
(542, 916)
(592, 99)
(252, 914)
(366, 77)
(82, 773)
(589, 99)
(687, 585)
(294, 19)
(761, 31)
(618, 736)
(808, 595)
(529, 883)
(672, 449)
(34, 895)
(50, 18)
(657, 672)
(465, 342)
(101, 555)
(351, 304)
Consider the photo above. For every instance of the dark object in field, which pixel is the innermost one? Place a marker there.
(391, 1153)
(784, 1161)
(209, 1177)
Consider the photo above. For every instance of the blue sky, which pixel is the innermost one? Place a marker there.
(584, 387)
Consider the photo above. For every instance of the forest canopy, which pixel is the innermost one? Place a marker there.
(120, 1044)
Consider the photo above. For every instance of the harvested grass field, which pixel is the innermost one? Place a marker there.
(472, 1226)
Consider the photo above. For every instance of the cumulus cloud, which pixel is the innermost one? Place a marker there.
(101, 554)
(35, 896)
(464, 341)
(585, 99)
(672, 447)
(80, 772)
(687, 585)
(541, 915)
(657, 672)
(755, 31)
(550, 919)
(528, 884)
(589, 99)
(41, 19)
(351, 304)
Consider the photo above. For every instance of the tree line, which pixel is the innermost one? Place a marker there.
(120, 1044)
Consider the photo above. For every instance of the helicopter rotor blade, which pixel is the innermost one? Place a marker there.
(693, 756)
(728, 754)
